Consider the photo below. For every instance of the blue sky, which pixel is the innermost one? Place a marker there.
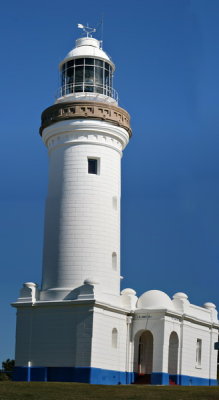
(167, 61)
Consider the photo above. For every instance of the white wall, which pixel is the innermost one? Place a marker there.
(82, 227)
(192, 332)
(188, 332)
(104, 355)
(80, 335)
(54, 336)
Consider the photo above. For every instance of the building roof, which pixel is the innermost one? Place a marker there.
(155, 299)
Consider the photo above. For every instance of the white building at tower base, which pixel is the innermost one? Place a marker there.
(77, 326)
(152, 339)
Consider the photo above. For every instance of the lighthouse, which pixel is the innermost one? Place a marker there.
(77, 326)
(85, 132)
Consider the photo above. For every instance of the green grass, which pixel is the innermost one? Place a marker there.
(80, 391)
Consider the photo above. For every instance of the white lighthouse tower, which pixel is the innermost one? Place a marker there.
(85, 133)
(77, 326)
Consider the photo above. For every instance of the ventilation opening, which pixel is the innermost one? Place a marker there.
(114, 261)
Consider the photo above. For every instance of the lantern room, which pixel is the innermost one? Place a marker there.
(87, 69)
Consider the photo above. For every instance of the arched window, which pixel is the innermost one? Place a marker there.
(198, 352)
(114, 261)
(114, 338)
(173, 354)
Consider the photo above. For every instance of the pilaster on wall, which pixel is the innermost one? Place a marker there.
(171, 324)
(159, 349)
(213, 354)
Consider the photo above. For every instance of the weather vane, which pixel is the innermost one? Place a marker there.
(87, 29)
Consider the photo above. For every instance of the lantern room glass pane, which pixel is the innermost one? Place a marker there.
(78, 88)
(70, 75)
(70, 63)
(89, 61)
(99, 63)
(107, 78)
(99, 89)
(79, 61)
(89, 88)
(98, 76)
(89, 74)
(79, 74)
(63, 78)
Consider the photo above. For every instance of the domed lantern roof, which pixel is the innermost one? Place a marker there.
(88, 47)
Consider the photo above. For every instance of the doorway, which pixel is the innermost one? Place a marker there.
(145, 357)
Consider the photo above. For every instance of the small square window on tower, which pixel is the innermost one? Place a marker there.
(93, 166)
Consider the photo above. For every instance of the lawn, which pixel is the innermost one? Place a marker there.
(78, 391)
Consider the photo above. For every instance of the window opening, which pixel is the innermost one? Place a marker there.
(198, 352)
(114, 338)
(114, 261)
(92, 166)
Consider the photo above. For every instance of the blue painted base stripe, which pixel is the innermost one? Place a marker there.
(73, 374)
(102, 376)
(159, 378)
(186, 380)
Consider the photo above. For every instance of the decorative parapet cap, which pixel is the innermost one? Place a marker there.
(28, 293)
(91, 110)
(209, 306)
(180, 295)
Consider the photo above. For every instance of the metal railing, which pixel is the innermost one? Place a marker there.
(87, 88)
